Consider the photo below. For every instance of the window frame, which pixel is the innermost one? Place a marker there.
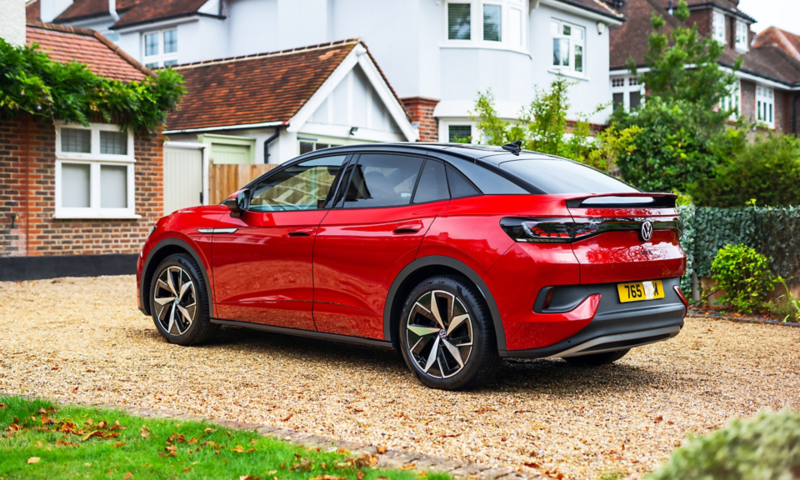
(718, 21)
(477, 25)
(733, 100)
(570, 69)
(95, 160)
(160, 58)
(444, 130)
(742, 46)
(765, 96)
(627, 88)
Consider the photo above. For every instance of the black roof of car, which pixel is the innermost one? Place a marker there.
(486, 153)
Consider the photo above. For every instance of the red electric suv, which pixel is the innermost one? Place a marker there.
(455, 255)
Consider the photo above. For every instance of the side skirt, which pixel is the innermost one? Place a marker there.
(305, 333)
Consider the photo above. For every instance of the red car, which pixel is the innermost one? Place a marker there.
(455, 255)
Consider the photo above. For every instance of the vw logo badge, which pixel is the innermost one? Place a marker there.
(647, 231)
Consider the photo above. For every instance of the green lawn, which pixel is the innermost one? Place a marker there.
(39, 439)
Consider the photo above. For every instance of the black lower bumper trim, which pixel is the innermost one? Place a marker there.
(305, 333)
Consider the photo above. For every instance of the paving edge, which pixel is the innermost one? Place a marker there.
(391, 459)
(764, 321)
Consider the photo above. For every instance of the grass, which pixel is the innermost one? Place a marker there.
(39, 439)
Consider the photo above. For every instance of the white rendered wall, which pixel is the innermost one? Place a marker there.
(252, 27)
(12, 21)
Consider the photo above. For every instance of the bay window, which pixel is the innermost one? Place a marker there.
(765, 106)
(94, 172)
(732, 100)
(160, 48)
(569, 43)
(495, 23)
(718, 27)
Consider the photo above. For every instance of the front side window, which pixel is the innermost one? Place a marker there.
(380, 180)
(719, 27)
(741, 35)
(765, 106)
(94, 172)
(160, 48)
(568, 46)
(305, 186)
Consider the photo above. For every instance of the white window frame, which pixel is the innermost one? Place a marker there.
(444, 129)
(161, 57)
(629, 84)
(733, 100)
(765, 106)
(718, 27)
(568, 70)
(95, 160)
(476, 25)
(742, 36)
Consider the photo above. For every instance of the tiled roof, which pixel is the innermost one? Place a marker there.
(597, 6)
(91, 8)
(33, 11)
(254, 89)
(151, 10)
(102, 56)
(768, 62)
(786, 41)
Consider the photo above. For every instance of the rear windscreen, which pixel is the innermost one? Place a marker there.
(563, 176)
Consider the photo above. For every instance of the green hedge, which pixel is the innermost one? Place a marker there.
(773, 232)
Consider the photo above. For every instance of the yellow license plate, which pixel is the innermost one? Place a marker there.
(639, 291)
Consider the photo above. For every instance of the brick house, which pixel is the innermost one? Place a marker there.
(76, 200)
(769, 80)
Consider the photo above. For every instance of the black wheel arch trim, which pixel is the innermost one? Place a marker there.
(144, 293)
(464, 269)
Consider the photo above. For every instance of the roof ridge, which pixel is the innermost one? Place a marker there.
(88, 32)
(256, 56)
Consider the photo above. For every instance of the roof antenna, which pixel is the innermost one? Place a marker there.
(513, 147)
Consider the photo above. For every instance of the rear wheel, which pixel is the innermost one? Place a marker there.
(446, 334)
(179, 301)
(597, 359)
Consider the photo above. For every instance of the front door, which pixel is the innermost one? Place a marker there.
(262, 260)
(362, 246)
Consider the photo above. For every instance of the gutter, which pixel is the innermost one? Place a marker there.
(269, 140)
(227, 127)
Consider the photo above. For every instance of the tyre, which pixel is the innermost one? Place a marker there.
(597, 359)
(446, 334)
(179, 301)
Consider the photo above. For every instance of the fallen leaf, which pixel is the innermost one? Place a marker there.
(33, 460)
(328, 477)
(249, 477)
(238, 449)
(127, 476)
(209, 430)
(87, 464)
(483, 410)
(287, 418)
(3, 405)
(408, 467)
(145, 432)
(54, 368)
(532, 465)
(90, 422)
(193, 441)
(658, 419)
(119, 444)
(187, 469)
(93, 433)
(381, 449)
(517, 412)
(444, 435)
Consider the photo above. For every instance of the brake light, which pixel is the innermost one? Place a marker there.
(549, 230)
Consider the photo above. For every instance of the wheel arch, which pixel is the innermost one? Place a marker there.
(162, 250)
(425, 267)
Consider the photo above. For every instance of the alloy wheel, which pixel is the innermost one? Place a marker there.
(175, 300)
(439, 334)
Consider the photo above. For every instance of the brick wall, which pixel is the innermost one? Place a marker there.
(748, 106)
(703, 19)
(421, 111)
(27, 191)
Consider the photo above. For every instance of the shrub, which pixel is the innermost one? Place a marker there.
(744, 275)
(764, 447)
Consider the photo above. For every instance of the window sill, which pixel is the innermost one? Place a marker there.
(569, 73)
(486, 46)
(95, 216)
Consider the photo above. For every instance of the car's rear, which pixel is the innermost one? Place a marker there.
(598, 271)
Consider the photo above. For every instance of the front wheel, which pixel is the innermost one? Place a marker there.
(446, 334)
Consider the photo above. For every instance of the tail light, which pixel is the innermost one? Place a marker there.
(682, 297)
(547, 230)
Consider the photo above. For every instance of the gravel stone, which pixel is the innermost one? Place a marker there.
(83, 340)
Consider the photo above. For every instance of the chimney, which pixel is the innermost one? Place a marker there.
(12, 21)
(50, 9)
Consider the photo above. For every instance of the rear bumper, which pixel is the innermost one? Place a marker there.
(615, 326)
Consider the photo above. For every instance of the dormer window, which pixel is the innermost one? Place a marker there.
(718, 27)
(741, 36)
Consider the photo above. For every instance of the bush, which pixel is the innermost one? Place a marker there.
(764, 447)
(766, 170)
(744, 275)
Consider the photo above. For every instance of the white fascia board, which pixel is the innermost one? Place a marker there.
(226, 127)
(146, 27)
(343, 131)
(581, 12)
(762, 81)
(462, 109)
(358, 56)
(186, 145)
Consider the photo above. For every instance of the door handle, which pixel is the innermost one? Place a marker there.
(408, 228)
(301, 232)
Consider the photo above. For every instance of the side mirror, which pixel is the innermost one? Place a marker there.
(239, 204)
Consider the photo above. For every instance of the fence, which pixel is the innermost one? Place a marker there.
(226, 178)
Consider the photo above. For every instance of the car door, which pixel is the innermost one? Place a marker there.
(374, 232)
(262, 259)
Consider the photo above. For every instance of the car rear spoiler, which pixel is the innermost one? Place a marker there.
(624, 200)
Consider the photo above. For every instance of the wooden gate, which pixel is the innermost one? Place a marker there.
(183, 176)
(225, 179)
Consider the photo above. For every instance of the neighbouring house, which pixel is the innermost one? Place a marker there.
(769, 80)
(438, 54)
(76, 200)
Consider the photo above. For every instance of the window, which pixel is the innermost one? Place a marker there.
(765, 106)
(742, 34)
(312, 144)
(492, 22)
(94, 172)
(459, 21)
(459, 185)
(731, 102)
(487, 181)
(568, 46)
(382, 181)
(432, 183)
(459, 133)
(497, 23)
(627, 92)
(305, 186)
(161, 48)
(718, 27)
(565, 176)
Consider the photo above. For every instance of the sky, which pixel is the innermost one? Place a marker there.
(784, 14)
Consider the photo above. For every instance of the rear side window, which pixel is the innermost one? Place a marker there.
(486, 180)
(432, 184)
(460, 186)
(553, 176)
(382, 181)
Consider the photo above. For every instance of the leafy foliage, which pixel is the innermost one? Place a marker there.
(766, 446)
(744, 275)
(30, 82)
(543, 127)
(787, 304)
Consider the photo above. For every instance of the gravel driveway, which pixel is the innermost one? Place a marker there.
(83, 340)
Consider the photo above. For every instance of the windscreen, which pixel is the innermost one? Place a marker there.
(553, 176)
